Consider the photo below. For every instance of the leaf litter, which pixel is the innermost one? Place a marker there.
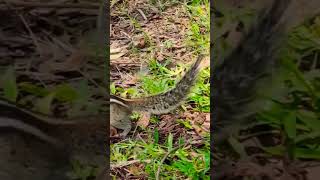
(42, 41)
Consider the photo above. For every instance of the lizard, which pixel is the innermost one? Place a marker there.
(162, 103)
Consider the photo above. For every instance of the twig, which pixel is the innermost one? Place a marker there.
(127, 163)
(33, 37)
(134, 131)
(142, 14)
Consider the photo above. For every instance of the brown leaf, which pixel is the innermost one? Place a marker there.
(134, 169)
(130, 80)
(71, 63)
(206, 123)
(142, 43)
(113, 131)
(144, 120)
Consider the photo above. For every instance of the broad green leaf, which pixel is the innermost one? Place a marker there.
(113, 88)
(307, 136)
(10, 89)
(65, 92)
(276, 150)
(33, 89)
(307, 153)
(43, 105)
(310, 119)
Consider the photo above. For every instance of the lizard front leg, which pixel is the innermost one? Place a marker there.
(119, 118)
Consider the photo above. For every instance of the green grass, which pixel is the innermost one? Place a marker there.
(199, 33)
(180, 163)
(297, 113)
(294, 108)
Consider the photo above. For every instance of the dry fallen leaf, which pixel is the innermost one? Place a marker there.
(205, 63)
(130, 80)
(116, 56)
(144, 120)
(113, 131)
(116, 53)
(206, 124)
(74, 62)
(134, 169)
(142, 43)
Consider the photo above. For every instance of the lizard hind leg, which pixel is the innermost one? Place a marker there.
(125, 125)
(126, 129)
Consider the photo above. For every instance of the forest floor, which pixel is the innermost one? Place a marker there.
(152, 44)
(46, 68)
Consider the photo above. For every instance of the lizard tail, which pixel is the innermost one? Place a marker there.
(236, 77)
(167, 101)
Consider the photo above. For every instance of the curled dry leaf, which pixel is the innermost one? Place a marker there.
(142, 43)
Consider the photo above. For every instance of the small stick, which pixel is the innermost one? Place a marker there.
(142, 14)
